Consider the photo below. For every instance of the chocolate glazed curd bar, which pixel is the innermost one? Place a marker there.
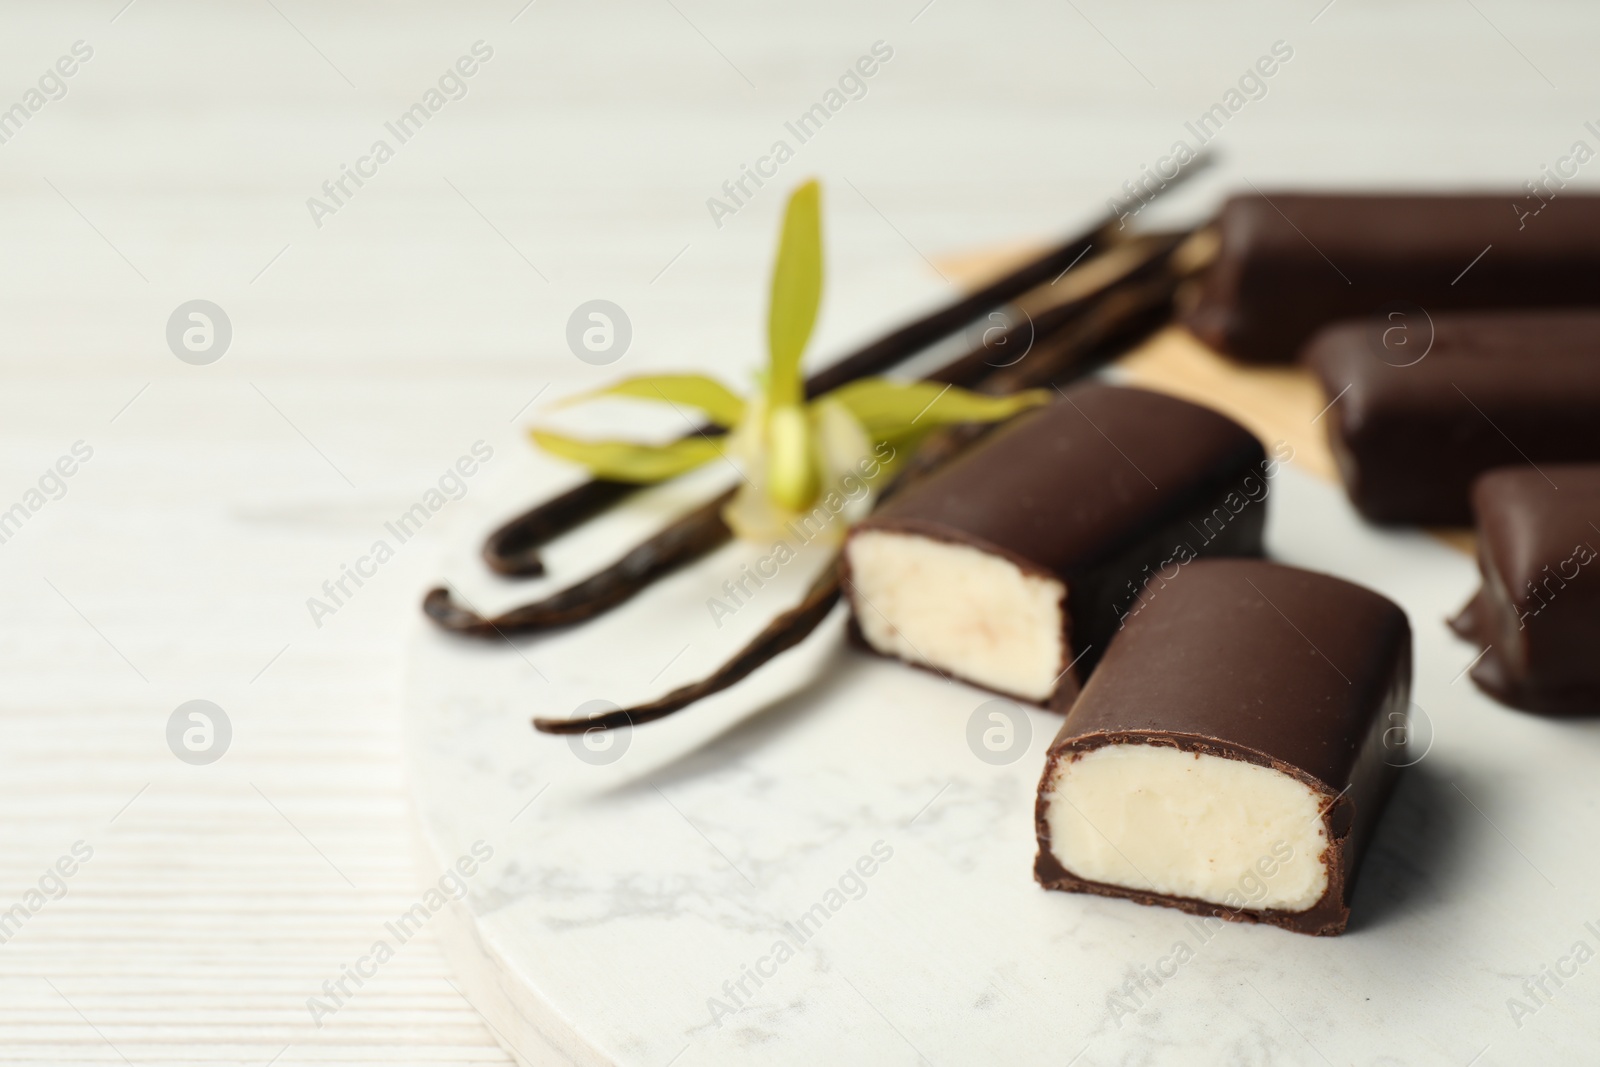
(1233, 751)
(1412, 426)
(1012, 566)
(1538, 612)
(1292, 262)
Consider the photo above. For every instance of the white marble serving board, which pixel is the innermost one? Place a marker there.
(622, 896)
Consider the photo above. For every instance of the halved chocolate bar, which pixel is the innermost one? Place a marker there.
(1411, 425)
(1233, 750)
(1538, 613)
(1293, 262)
(1013, 565)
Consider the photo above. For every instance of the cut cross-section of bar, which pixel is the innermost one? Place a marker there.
(955, 607)
(1189, 824)
(1012, 566)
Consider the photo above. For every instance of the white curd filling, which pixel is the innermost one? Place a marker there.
(969, 613)
(1153, 818)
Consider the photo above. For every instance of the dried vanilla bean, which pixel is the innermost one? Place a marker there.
(681, 541)
(780, 635)
(513, 549)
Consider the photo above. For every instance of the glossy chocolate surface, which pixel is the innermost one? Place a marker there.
(1269, 664)
(1293, 262)
(1414, 424)
(1538, 611)
(1099, 489)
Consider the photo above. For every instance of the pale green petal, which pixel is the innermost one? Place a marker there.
(848, 466)
(891, 409)
(719, 403)
(626, 461)
(791, 473)
(842, 442)
(796, 293)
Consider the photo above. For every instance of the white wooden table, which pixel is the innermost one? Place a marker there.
(424, 315)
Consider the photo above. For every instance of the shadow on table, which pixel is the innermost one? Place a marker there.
(1416, 851)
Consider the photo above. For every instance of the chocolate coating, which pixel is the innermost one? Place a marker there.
(1280, 667)
(1411, 433)
(1292, 262)
(1097, 489)
(1538, 612)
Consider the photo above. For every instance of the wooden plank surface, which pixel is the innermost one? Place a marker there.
(428, 312)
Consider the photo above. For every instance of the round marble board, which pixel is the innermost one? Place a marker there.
(815, 866)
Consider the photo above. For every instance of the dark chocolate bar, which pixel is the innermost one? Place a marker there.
(1293, 262)
(1538, 612)
(1412, 426)
(1233, 750)
(1012, 566)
